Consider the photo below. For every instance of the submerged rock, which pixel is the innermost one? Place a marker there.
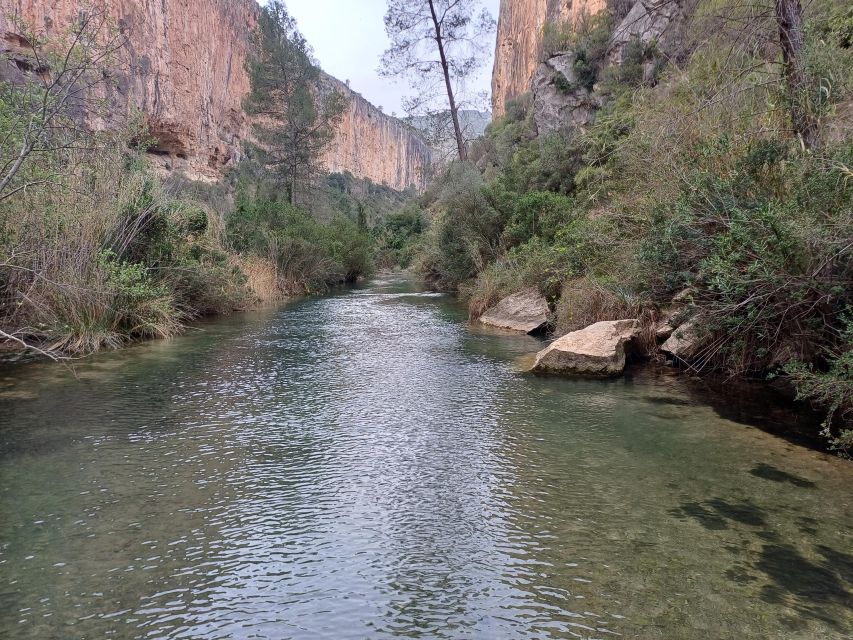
(524, 312)
(598, 350)
(685, 342)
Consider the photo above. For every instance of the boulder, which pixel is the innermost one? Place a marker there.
(598, 350)
(648, 21)
(559, 102)
(685, 342)
(523, 312)
(667, 325)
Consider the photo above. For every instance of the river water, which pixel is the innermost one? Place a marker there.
(365, 465)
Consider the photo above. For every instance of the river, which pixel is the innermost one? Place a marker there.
(365, 465)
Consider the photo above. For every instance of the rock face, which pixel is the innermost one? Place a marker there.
(519, 42)
(184, 69)
(370, 144)
(559, 102)
(523, 312)
(518, 67)
(647, 21)
(598, 350)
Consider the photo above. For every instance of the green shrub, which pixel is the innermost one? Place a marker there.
(467, 233)
(831, 391)
(397, 237)
(537, 214)
(311, 255)
(767, 247)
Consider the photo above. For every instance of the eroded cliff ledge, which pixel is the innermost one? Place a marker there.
(184, 70)
(519, 41)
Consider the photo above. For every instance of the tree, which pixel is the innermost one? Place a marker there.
(45, 105)
(434, 43)
(298, 113)
(789, 16)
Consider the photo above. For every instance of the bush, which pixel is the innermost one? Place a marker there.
(311, 256)
(397, 237)
(537, 214)
(102, 255)
(832, 391)
(767, 247)
(467, 234)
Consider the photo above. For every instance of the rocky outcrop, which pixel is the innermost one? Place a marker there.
(185, 70)
(598, 350)
(519, 42)
(647, 21)
(523, 312)
(559, 101)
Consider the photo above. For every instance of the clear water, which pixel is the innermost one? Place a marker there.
(364, 465)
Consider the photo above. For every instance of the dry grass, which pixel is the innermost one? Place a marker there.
(261, 277)
(73, 270)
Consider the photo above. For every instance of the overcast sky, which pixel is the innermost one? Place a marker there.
(348, 37)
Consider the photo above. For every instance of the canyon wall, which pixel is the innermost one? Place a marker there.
(519, 42)
(184, 70)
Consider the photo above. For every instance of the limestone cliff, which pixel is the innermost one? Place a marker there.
(372, 145)
(184, 69)
(519, 41)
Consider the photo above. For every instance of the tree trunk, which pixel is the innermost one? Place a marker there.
(445, 67)
(789, 16)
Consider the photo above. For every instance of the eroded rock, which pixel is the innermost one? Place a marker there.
(597, 350)
(519, 41)
(523, 312)
(686, 341)
(560, 101)
(648, 21)
(184, 69)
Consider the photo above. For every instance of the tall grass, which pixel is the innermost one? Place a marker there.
(102, 254)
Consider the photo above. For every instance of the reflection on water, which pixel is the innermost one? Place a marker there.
(364, 466)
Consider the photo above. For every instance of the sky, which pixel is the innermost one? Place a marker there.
(348, 37)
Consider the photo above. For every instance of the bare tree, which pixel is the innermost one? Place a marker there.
(435, 42)
(49, 90)
(789, 16)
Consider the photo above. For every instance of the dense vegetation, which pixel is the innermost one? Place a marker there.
(693, 182)
(96, 250)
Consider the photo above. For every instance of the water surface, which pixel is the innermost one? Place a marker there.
(364, 465)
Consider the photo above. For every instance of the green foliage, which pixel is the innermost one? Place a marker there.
(767, 245)
(310, 255)
(839, 28)
(832, 391)
(398, 235)
(298, 116)
(102, 254)
(352, 197)
(467, 235)
(537, 214)
(642, 63)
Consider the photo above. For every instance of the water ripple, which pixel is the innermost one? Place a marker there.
(363, 466)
